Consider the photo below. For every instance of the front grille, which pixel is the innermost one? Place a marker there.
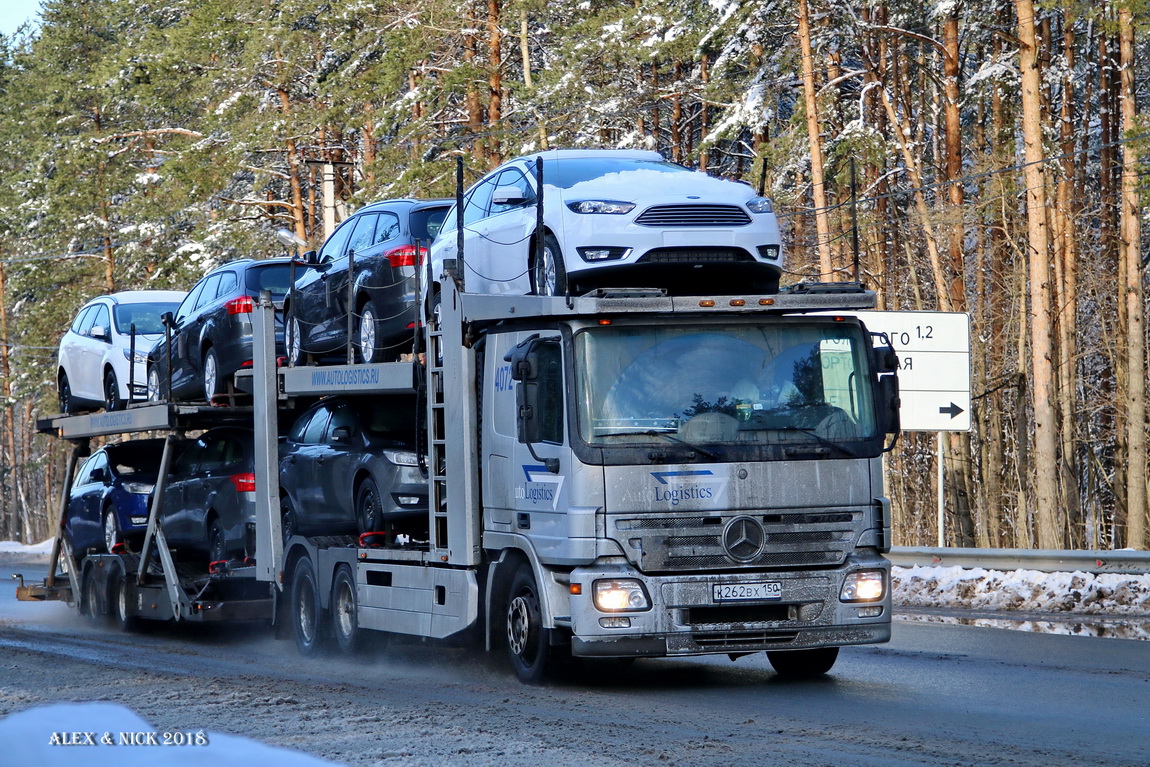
(742, 639)
(693, 215)
(695, 256)
(703, 616)
(692, 542)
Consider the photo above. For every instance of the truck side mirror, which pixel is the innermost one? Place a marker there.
(888, 404)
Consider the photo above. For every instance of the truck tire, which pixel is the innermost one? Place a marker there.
(90, 597)
(345, 612)
(803, 664)
(307, 617)
(118, 591)
(528, 643)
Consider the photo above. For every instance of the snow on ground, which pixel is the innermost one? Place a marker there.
(111, 735)
(1022, 590)
(21, 553)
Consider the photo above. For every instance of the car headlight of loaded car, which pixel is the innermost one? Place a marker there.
(760, 205)
(141, 357)
(610, 207)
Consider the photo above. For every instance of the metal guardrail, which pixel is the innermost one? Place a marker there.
(1125, 561)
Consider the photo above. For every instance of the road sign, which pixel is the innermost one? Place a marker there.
(934, 366)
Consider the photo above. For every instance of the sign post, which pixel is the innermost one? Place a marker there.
(933, 375)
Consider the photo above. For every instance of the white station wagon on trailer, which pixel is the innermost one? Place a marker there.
(610, 218)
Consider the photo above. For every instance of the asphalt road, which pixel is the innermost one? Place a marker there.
(936, 695)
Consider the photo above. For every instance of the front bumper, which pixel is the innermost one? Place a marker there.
(684, 618)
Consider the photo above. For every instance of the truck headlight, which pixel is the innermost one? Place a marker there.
(621, 595)
(864, 586)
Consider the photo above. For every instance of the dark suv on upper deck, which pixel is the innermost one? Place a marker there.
(211, 332)
(370, 266)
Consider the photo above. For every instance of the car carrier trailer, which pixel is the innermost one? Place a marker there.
(565, 519)
(147, 584)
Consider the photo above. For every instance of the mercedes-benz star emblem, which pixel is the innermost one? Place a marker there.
(743, 539)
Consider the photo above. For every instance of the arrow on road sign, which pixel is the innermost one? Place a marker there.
(953, 410)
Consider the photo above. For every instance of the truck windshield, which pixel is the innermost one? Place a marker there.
(792, 382)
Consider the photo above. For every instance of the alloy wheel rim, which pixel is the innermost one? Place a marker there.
(367, 334)
(110, 532)
(209, 377)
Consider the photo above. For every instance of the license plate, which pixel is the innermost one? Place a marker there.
(737, 592)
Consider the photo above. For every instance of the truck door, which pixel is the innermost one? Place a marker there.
(540, 483)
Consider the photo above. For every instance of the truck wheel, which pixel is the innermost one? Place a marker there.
(803, 664)
(121, 611)
(307, 615)
(528, 642)
(345, 612)
(90, 597)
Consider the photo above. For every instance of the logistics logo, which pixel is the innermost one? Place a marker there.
(541, 488)
(700, 488)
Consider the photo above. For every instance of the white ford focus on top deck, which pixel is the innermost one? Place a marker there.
(611, 218)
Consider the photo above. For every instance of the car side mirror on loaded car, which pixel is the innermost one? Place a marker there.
(510, 195)
(168, 320)
(311, 258)
(99, 475)
(99, 332)
(341, 435)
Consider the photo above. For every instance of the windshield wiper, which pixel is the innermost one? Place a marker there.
(670, 437)
(821, 439)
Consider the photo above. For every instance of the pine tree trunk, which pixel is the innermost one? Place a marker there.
(814, 139)
(1045, 450)
(1134, 398)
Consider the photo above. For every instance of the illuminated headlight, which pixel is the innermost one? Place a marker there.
(626, 594)
(402, 457)
(611, 207)
(138, 488)
(141, 357)
(760, 205)
(863, 586)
